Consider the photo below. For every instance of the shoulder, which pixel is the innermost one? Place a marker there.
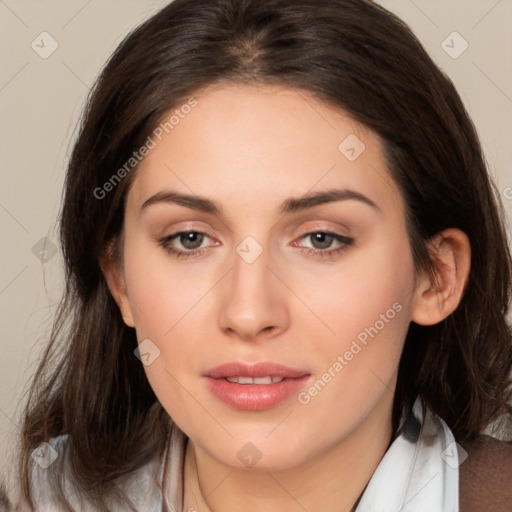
(485, 476)
(11, 495)
(141, 487)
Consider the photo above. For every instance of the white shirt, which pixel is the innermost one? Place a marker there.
(418, 473)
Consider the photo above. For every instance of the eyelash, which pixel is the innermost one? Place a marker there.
(322, 253)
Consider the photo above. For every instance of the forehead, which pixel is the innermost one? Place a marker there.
(258, 144)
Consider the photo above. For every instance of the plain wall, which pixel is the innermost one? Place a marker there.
(41, 101)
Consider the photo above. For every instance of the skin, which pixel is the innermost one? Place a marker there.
(249, 148)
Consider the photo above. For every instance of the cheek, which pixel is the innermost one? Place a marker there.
(162, 292)
(168, 302)
(370, 288)
(164, 305)
(367, 310)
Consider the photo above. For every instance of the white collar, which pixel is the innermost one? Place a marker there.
(419, 471)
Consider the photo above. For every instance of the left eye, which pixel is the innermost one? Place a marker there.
(322, 242)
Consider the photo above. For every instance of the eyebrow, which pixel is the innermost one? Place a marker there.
(290, 205)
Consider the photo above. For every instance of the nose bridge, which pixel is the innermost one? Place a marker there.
(250, 263)
(252, 302)
(250, 275)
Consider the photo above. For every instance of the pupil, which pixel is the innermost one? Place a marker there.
(189, 237)
(320, 237)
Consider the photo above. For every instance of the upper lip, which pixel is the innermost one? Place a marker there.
(254, 370)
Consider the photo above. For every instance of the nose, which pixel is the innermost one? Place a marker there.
(253, 304)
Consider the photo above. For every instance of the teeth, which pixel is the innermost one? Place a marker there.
(256, 380)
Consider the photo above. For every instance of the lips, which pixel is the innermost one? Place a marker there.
(255, 387)
(254, 370)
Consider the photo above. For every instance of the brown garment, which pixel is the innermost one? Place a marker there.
(485, 477)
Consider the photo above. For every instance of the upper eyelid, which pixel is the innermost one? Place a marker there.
(197, 225)
(314, 228)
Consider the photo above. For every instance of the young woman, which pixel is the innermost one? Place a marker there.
(287, 277)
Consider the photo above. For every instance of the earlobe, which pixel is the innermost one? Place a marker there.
(438, 295)
(115, 281)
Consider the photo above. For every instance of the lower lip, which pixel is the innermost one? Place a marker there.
(255, 397)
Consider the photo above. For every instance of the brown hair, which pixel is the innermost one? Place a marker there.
(352, 54)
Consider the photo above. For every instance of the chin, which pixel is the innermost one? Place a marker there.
(261, 452)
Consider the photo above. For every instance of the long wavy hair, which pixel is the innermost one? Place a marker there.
(351, 54)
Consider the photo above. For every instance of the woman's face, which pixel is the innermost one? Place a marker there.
(297, 272)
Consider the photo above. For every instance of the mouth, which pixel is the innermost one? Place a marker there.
(257, 380)
(255, 387)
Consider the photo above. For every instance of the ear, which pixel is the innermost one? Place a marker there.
(437, 296)
(114, 276)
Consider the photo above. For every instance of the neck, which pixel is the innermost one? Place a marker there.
(332, 480)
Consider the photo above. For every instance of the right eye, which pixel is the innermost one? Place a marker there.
(190, 240)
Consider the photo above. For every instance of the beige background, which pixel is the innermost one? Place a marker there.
(41, 100)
